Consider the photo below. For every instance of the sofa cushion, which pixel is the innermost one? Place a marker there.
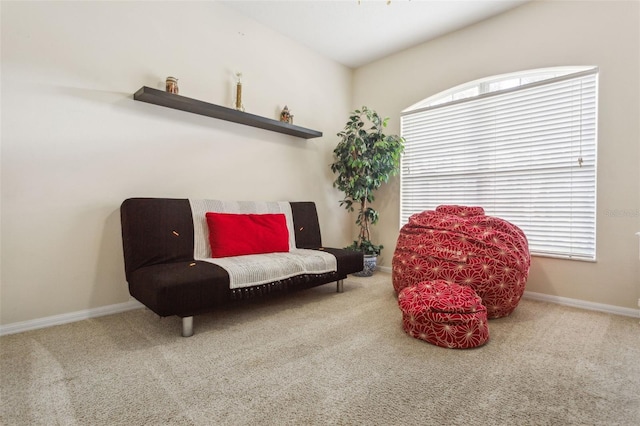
(155, 231)
(243, 234)
(180, 288)
(256, 269)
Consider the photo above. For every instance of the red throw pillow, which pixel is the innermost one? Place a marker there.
(241, 234)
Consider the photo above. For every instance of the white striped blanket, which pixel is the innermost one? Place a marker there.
(256, 269)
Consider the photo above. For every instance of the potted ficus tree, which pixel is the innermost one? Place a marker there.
(365, 158)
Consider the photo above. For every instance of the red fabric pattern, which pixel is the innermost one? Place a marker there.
(242, 234)
(460, 210)
(485, 253)
(444, 314)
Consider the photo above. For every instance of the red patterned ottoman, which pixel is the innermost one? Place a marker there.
(462, 245)
(445, 314)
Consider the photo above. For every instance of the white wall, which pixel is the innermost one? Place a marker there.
(536, 35)
(75, 144)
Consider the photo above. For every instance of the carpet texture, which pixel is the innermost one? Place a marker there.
(317, 357)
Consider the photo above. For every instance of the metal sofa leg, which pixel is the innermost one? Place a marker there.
(187, 326)
(340, 287)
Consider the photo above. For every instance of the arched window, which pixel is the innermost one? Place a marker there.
(521, 145)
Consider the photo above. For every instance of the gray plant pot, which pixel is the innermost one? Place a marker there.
(370, 262)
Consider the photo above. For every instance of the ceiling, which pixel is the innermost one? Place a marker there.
(356, 33)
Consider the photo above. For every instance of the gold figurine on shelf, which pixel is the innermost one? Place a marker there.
(239, 105)
(286, 116)
(172, 85)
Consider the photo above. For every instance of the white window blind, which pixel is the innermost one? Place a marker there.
(525, 154)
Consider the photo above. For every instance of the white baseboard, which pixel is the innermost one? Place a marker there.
(583, 304)
(576, 303)
(19, 327)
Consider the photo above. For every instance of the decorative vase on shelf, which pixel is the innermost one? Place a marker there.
(370, 263)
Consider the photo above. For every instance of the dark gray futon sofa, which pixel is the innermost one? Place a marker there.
(158, 243)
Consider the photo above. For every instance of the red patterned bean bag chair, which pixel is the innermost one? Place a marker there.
(445, 314)
(464, 246)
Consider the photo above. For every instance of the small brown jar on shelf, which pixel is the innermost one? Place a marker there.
(172, 85)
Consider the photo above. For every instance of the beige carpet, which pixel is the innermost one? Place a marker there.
(316, 358)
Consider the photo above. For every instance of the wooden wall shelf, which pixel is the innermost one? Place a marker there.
(182, 103)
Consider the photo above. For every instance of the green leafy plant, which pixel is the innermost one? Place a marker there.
(365, 158)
